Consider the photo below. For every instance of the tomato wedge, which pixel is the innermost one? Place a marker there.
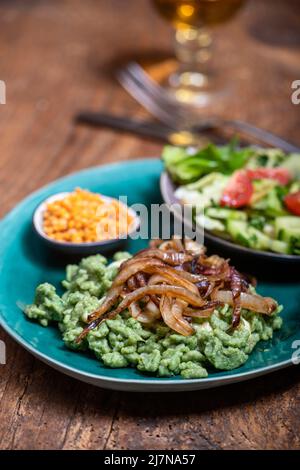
(279, 174)
(239, 190)
(292, 202)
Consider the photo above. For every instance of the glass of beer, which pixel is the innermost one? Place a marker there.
(194, 81)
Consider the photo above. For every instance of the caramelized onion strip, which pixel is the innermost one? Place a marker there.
(172, 291)
(172, 279)
(169, 257)
(169, 318)
(109, 301)
(136, 266)
(202, 312)
(141, 315)
(254, 302)
(177, 310)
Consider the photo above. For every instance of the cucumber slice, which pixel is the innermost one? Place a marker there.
(209, 224)
(270, 204)
(225, 214)
(279, 246)
(287, 227)
(238, 230)
(213, 178)
(258, 239)
(292, 163)
(249, 236)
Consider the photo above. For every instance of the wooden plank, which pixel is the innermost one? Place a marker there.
(258, 414)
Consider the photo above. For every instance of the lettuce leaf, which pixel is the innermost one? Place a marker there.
(186, 166)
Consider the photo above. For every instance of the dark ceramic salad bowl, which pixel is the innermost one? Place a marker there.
(262, 263)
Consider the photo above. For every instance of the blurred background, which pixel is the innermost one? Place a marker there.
(59, 56)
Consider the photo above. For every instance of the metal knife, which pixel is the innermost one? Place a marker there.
(140, 127)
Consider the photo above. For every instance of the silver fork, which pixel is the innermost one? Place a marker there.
(180, 117)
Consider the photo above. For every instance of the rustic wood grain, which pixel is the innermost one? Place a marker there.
(55, 58)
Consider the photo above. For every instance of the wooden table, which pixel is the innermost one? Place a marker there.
(55, 57)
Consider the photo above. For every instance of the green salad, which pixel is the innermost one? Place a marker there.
(156, 349)
(250, 195)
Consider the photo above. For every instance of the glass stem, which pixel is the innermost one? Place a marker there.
(193, 49)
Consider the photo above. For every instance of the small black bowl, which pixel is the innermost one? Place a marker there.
(261, 263)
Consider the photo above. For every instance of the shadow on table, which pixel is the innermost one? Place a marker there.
(180, 404)
(277, 24)
(183, 403)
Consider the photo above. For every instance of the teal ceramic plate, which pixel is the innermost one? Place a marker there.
(26, 262)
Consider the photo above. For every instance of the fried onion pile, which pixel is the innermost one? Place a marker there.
(176, 281)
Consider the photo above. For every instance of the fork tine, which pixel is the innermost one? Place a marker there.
(147, 101)
(185, 116)
(155, 99)
(137, 73)
(156, 93)
(182, 116)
